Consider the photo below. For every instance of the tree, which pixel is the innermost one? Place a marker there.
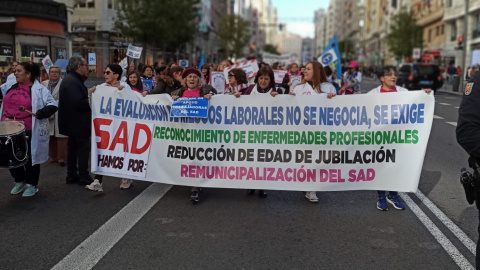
(234, 34)
(170, 23)
(346, 48)
(271, 49)
(404, 35)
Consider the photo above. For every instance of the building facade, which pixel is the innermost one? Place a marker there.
(320, 39)
(31, 30)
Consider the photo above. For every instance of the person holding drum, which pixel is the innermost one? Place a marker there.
(31, 104)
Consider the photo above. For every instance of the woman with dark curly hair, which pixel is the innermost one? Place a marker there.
(237, 82)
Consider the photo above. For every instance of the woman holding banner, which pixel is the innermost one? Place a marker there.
(237, 82)
(147, 77)
(314, 83)
(388, 77)
(112, 75)
(169, 81)
(193, 87)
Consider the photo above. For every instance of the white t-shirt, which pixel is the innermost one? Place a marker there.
(255, 91)
(306, 89)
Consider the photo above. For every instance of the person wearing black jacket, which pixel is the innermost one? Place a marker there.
(468, 128)
(74, 121)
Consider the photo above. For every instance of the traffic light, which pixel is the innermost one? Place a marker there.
(460, 42)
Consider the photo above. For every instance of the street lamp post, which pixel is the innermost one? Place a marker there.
(465, 34)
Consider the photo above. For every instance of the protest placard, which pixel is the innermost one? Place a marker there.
(294, 80)
(217, 81)
(47, 63)
(134, 51)
(250, 67)
(279, 75)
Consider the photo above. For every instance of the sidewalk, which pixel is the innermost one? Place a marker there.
(447, 88)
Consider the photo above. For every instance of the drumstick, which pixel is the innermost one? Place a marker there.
(22, 109)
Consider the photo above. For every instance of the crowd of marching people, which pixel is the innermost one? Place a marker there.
(65, 137)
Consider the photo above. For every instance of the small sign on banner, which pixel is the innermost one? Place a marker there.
(217, 81)
(124, 63)
(47, 63)
(190, 107)
(294, 80)
(250, 67)
(92, 59)
(134, 51)
(183, 63)
(279, 75)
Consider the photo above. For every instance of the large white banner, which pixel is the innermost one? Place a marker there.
(369, 142)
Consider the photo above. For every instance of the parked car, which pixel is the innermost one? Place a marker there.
(419, 76)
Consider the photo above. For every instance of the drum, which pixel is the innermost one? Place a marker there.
(13, 145)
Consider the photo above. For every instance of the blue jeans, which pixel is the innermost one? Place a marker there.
(381, 193)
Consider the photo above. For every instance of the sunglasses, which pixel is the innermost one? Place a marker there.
(108, 72)
(231, 75)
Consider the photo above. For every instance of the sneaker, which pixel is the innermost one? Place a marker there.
(125, 183)
(395, 201)
(382, 204)
(311, 196)
(194, 196)
(95, 186)
(19, 187)
(30, 191)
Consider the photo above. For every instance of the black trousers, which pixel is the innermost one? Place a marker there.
(27, 173)
(78, 154)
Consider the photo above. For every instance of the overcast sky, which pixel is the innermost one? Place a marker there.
(298, 14)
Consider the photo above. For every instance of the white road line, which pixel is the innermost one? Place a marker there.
(459, 259)
(443, 103)
(456, 107)
(437, 117)
(447, 222)
(92, 250)
(452, 123)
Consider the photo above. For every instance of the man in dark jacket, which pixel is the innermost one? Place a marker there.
(74, 120)
(468, 128)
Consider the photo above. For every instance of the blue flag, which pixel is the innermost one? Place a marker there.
(331, 57)
(202, 61)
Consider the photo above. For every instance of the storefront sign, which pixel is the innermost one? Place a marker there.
(6, 49)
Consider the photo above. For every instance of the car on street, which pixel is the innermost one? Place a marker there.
(415, 76)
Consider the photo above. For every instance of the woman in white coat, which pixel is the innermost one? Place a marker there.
(30, 94)
(58, 142)
(314, 83)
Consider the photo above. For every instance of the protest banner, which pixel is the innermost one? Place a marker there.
(217, 81)
(47, 63)
(134, 51)
(294, 80)
(307, 143)
(331, 57)
(279, 75)
(250, 67)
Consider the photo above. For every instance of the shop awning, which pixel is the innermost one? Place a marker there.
(434, 52)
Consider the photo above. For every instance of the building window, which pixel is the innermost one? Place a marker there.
(437, 31)
(442, 29)
(90, 3)
(449, 3)
(110, 4)
(429, 35)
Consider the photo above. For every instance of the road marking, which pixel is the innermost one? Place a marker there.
(452, 123)
(443, 103)
(448, 222)
(459, 259)
(92, 250)
(437, 117)
(456, 107)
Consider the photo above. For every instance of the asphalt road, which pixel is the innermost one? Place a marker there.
(154, 226)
